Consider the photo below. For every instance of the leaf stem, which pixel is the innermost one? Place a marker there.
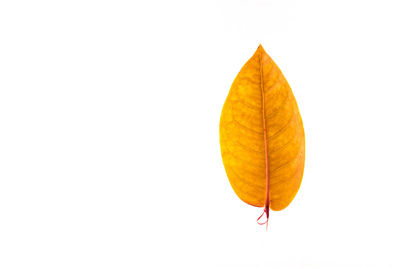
(266, 207)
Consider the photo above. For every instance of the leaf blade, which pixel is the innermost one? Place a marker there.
(260, 94)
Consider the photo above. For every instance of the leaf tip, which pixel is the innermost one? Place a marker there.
(261, 52)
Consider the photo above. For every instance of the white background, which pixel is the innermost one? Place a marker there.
(109, 145)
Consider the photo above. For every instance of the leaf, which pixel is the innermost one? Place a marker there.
(262, 136)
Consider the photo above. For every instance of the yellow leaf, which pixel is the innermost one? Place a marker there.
(262, 135)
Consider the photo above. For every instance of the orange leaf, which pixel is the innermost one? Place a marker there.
(262, 136)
